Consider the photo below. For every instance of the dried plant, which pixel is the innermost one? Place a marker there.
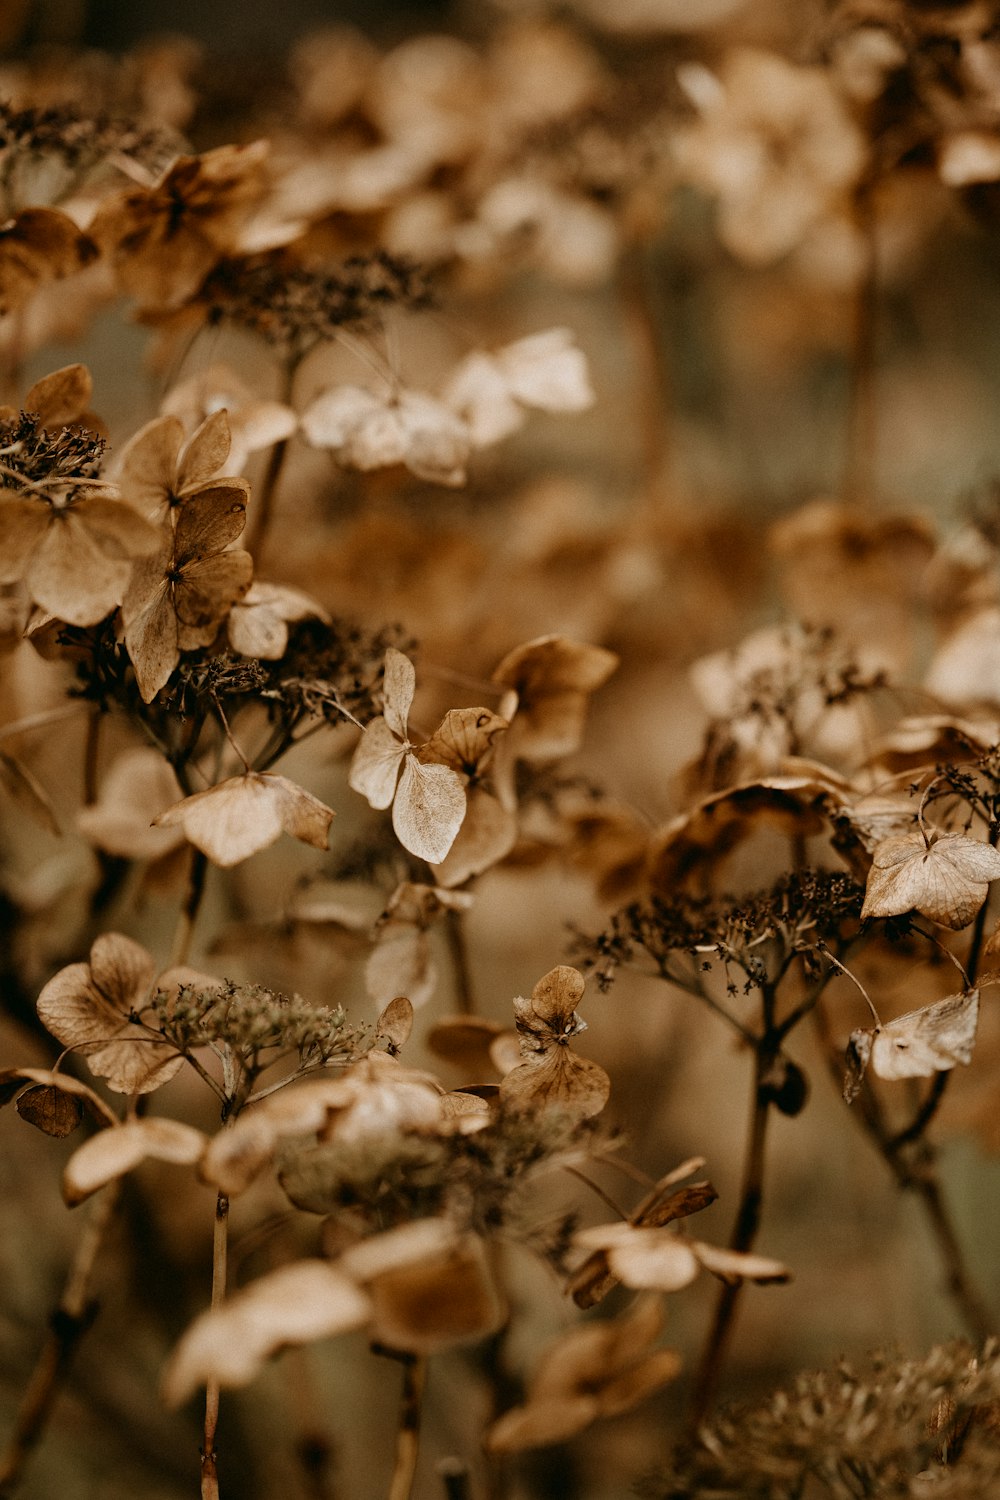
(488, 494)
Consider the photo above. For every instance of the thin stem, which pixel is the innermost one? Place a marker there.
(91, 756)
(859, 478)
(220, 1248)
(653, 381)
(268, 489)
(70, 1320)
(594, 1188)
(461, 968)
(189, 911)
(408, 1436)
(742, 1239)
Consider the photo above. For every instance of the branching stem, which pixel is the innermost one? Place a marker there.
(742, 1239)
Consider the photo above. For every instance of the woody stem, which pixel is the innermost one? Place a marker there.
(269, 484)
(408, 1436)
(189, 911)
(462, 969)
(70, 1320)
(220, 1248)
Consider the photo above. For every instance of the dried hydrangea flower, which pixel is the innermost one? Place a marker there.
(92, 1007)
(164, 240)
(428, 801)
(490, 391)
(400, 426)
(180, 596)
(598, 1370)
(550, 1075)
(918, 1045)
(945, 876)
(63, 530)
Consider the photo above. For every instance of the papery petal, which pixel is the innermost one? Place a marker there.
(428, 809)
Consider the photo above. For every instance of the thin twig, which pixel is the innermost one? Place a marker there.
(462, 970)
(408, 1436)
(189, 911)
(742, 1239)
(220, 1246)
(72, 1317)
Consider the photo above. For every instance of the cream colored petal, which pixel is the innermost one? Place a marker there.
(478, 392)
(240, 816)
(927, 1041)
(122, 970)
(428, 809)
(398, 686)
(547, 371)
(113, 1152)
(376, 764)
(294, 1305)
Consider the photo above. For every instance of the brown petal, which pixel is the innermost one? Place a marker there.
(206, 592)
(116, 527)
(463, 739)
(205, 453)
(487, 835)
(151, 641)
(12, 1081)
(50, 1110)
(557, 1080)
(62, 397)
(149, 464)
(211, 518)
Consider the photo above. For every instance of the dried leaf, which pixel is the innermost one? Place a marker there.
(112, 1153)
(294, 1305)
(51, 1110)
(12, 1082)
(945, 876)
